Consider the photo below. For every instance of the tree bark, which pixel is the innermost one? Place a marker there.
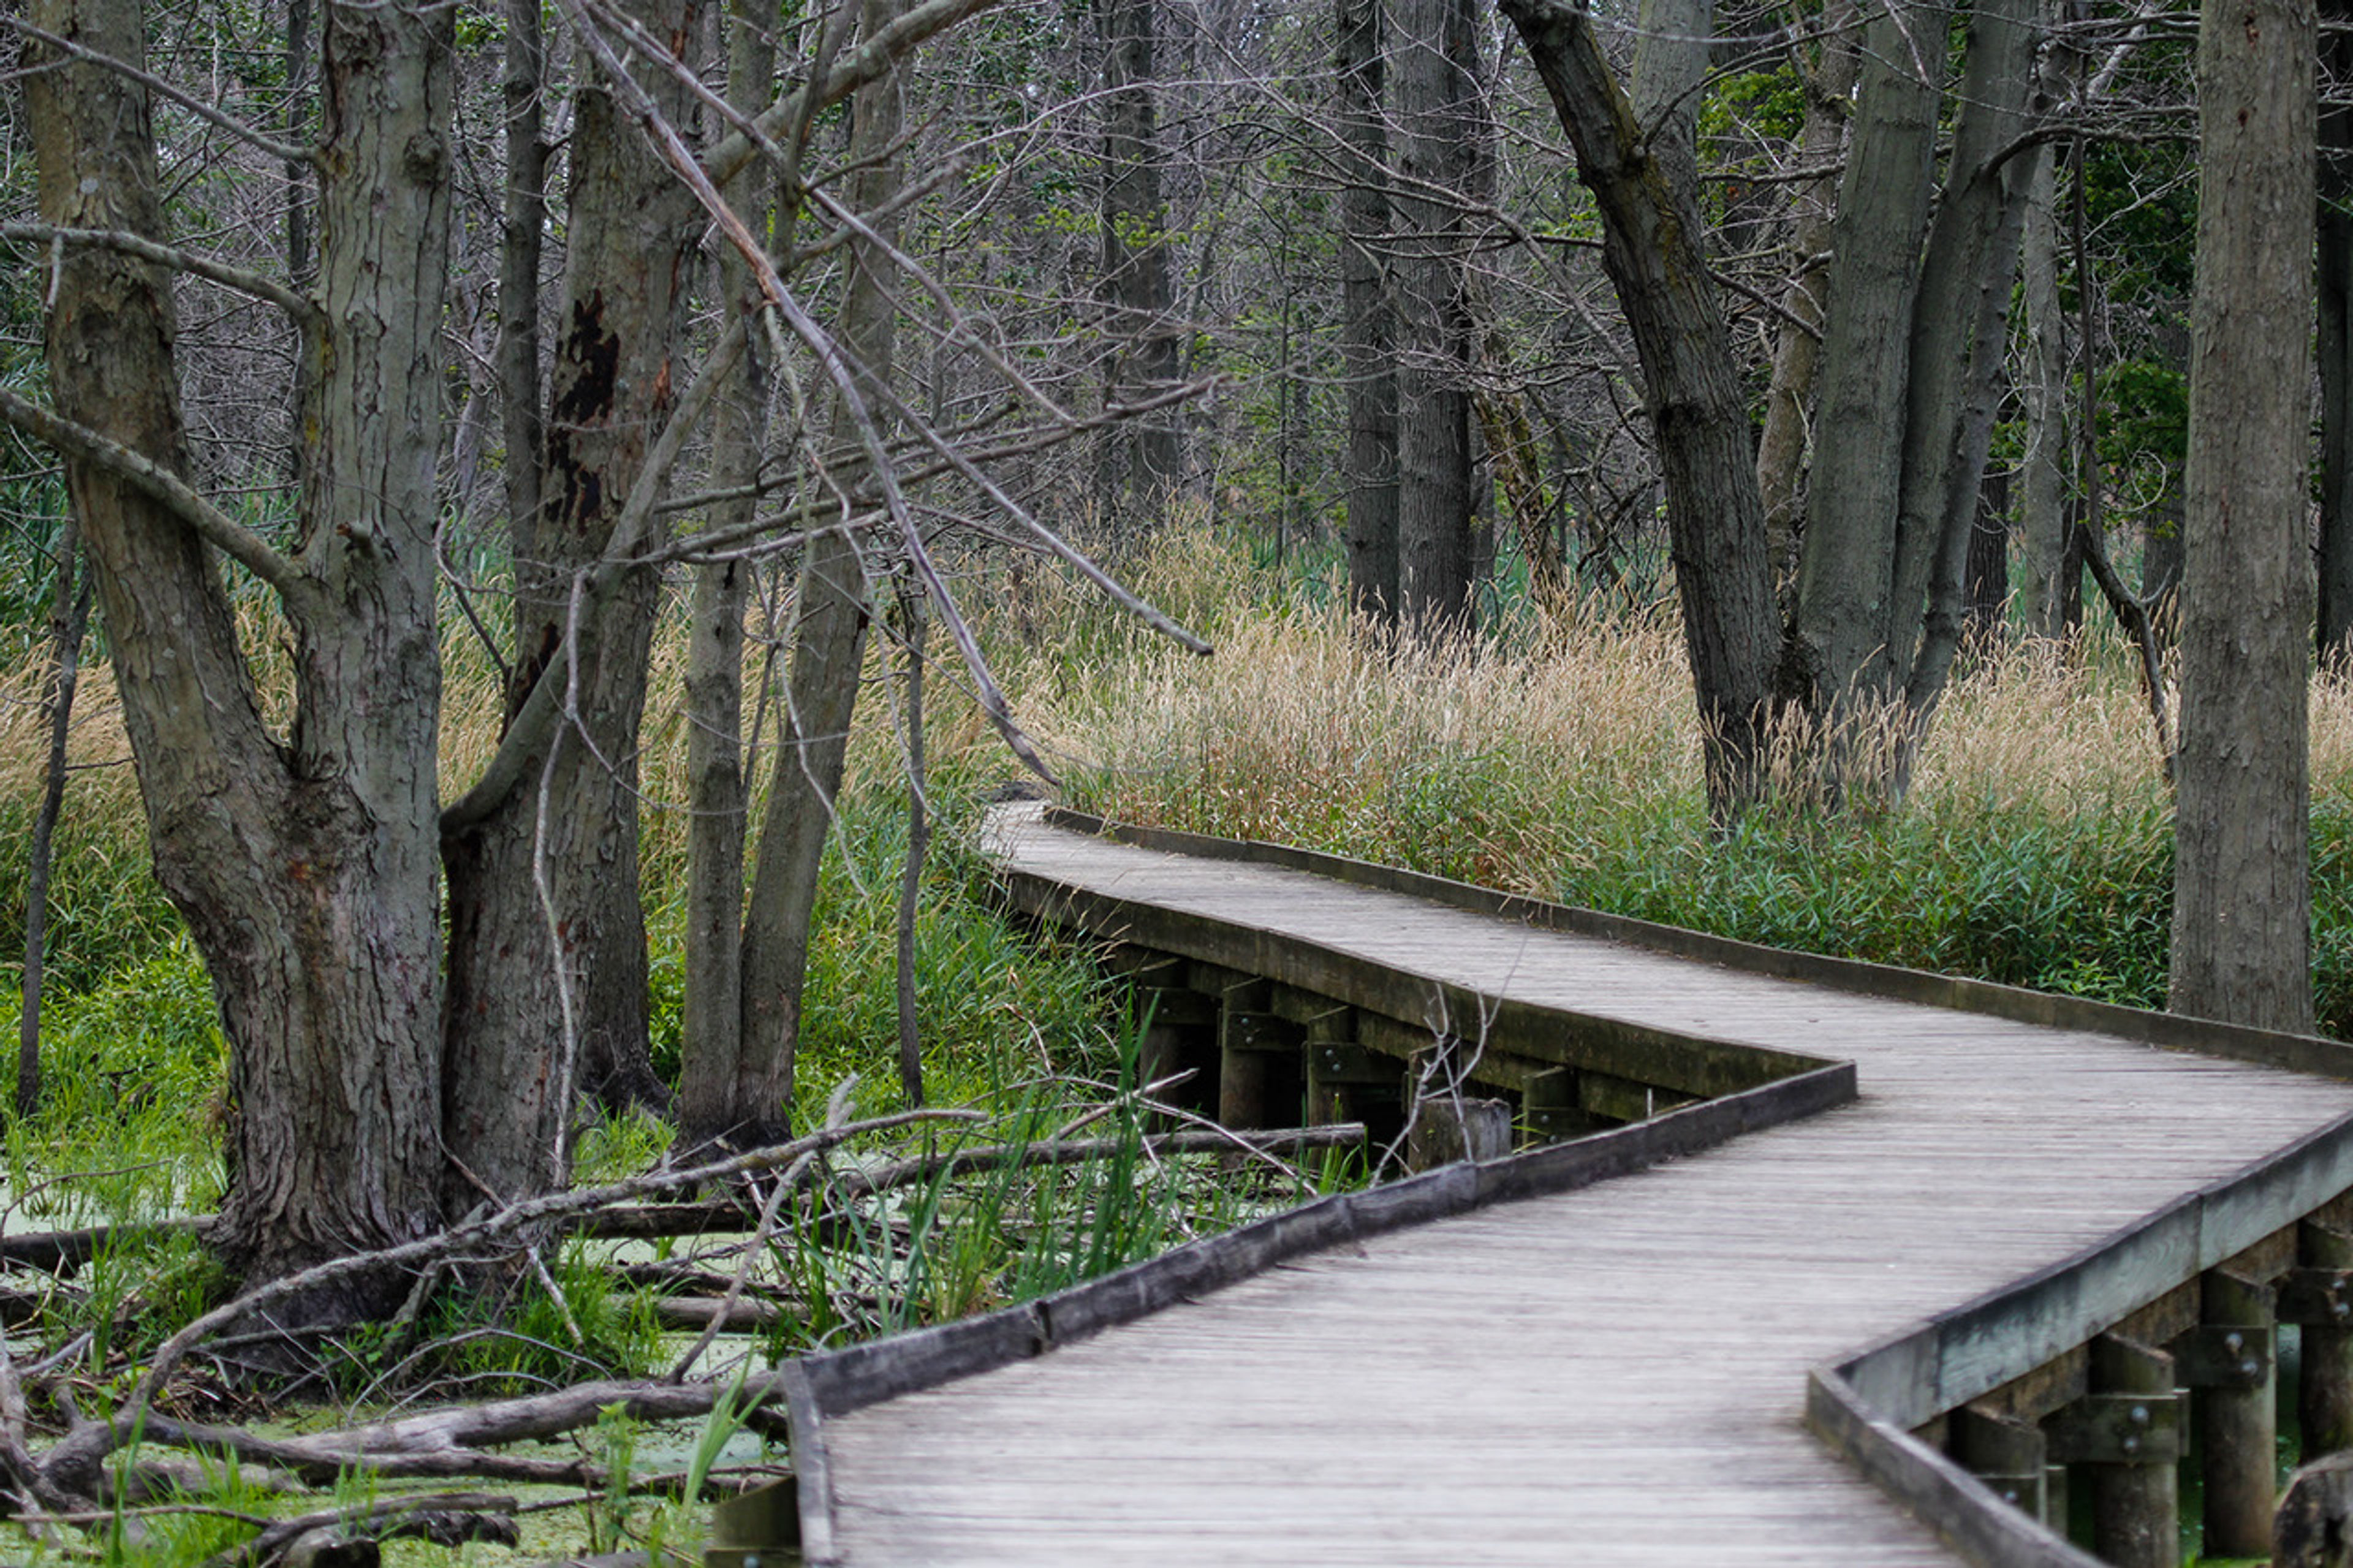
(1716, 514)
(1960, 327)
(717, 805)
(1796, 352)
(1141, 458)
(2043, 390)
(1368, 328)
(836, 605)
(70, 606)
(2336, 287)
(303, 865)
(2242, 912)
(1441, 119)
(1846, 575)
(547, 880)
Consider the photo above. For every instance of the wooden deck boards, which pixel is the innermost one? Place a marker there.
(1613, 1375)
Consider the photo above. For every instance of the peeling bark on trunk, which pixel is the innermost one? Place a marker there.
(304, 866)
(565, 837)
(2242, 897)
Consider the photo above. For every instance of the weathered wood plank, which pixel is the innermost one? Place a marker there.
(1551, 1373)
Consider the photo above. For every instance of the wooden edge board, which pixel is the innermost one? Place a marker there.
(2169, 1031)
(1939, 1492)
(1968, 1350)
(837, 1383)
(812, 1473)
(1863, 1407)
(1671, 1058)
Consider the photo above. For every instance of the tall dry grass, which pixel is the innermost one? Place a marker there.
(2033, 845)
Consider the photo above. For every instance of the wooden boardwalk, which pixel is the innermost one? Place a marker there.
(1611, 1375)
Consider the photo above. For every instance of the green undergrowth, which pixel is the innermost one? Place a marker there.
(1557, 757)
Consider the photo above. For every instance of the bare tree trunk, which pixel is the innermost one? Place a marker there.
(1846, 580)
(829, 651)
(305, 865)
(559, 853)
(2242, 909)
(1440, 117)
(914, 626)
(2042, 501)
(717, 804)
(2336, 287)
(2243, 898)
(1368, 329)
(70, 604)
(1141, 458)
(1960, 330)
(1781, 446)
(521, 86)
(1649, 202)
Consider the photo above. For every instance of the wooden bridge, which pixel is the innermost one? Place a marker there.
(1886, 1268)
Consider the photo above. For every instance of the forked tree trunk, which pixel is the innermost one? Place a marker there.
(305, 865)
(547, 949)
(2243, 910)
(1846, 570)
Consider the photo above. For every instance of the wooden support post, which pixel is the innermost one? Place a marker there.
(1258, 1061)
(1335, 1065)
(2124, 1439)
(2322, 1292)
(2227, 1361)
(1549, 1108)
(1447, 1128)
(2004, 1452)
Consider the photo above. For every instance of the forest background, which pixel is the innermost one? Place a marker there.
(523, 457)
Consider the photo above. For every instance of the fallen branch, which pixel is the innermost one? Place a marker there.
(445, 1519)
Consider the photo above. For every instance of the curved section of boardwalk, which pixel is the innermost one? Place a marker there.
(1612, 1376)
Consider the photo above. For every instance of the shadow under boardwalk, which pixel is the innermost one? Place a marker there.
(1617, 1374)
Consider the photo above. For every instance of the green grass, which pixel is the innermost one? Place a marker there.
(1560, 759)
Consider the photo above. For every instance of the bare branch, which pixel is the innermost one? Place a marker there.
(871, 61)
(304, 310)
(282, 152)
(167, 489)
